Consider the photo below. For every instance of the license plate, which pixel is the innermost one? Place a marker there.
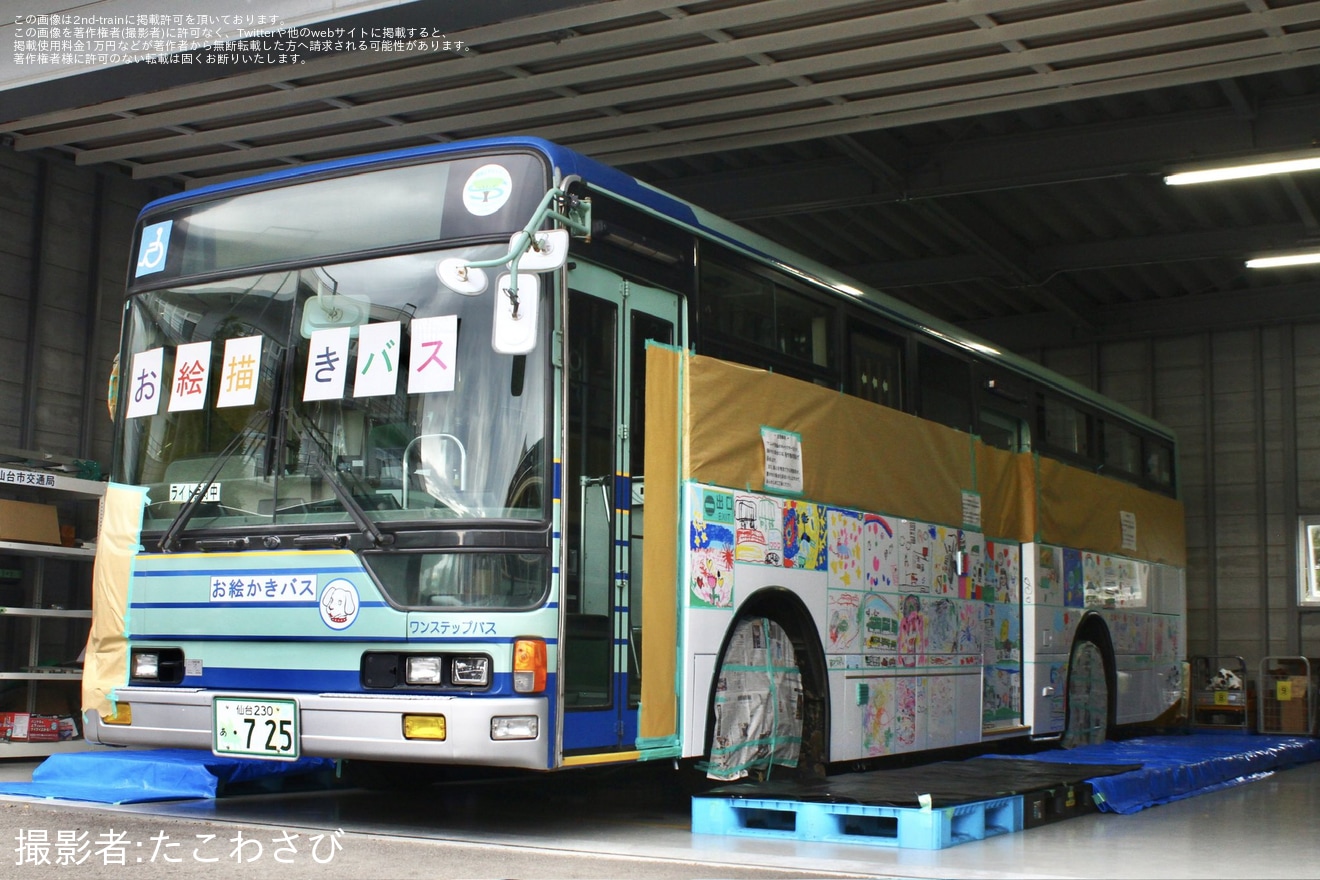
(255, 728)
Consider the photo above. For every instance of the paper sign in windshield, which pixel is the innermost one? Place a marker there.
(240, 371)
(378, 359)
(434, 346)
(144, 383)
(192, 371)
(327, 364)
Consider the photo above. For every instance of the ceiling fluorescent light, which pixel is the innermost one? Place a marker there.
(1284, 260)
(1237, 172)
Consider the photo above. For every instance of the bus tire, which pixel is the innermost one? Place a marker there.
(804, 670)
(1088, 699)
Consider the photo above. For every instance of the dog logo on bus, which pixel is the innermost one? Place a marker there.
(339, 604)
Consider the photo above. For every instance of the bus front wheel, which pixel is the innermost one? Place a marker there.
(767, 705)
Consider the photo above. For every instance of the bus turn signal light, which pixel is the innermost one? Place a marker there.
(529, 666)
(123, 714)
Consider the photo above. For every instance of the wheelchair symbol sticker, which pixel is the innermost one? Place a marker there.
(155, 245)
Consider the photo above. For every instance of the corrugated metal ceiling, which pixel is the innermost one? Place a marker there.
(997, 162)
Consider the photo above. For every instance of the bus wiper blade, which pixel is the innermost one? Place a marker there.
(171, 537)
(355, 510)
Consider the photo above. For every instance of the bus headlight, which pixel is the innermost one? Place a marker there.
(471, 671)
(146, 665)
(157, 665)
(423, 670)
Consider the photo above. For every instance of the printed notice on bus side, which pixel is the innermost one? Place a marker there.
(783, 460)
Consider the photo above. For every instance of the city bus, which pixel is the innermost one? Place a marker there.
(488, 454)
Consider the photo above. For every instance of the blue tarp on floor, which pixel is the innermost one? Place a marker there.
(129, 777)
(1175, 767)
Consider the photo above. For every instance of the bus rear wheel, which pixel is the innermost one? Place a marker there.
(1087, 718)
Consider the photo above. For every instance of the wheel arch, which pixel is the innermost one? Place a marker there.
(786, 608)
(1095, 629)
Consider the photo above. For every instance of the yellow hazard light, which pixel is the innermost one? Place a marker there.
(423, 727)
(123, 714)
(529, 665)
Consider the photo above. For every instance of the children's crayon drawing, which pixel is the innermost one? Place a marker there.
(711, 559)
(912, 633)
(804, 535)
(971, 583)
(760, 529)
(845, 548)
(1074, 592)
(879, 624)
(941, 627)
(1049, 575)
(909, 711)
(944, 561)
(879, 553)
(916, 540)
(941, 724)
(878, 727)
(844, 608)
(1001, 703)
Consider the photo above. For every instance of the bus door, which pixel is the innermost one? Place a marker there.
(610, 319)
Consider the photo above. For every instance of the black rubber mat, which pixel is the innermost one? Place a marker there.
(947, 783)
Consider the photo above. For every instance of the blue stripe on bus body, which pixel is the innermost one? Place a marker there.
(256, 566)
(375, 640)
(323, 681)
(222, 606)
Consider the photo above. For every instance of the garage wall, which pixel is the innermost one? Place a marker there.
(64, 239)
(1246, 406)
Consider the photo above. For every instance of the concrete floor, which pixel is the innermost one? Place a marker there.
(633, 823)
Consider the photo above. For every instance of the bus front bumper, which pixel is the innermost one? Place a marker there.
(362, 726)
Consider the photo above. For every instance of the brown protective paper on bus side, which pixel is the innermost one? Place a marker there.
(1095, 525)
(893, 463)
(105, 661)
(1006, 483)
(659, 708)
(881, 460)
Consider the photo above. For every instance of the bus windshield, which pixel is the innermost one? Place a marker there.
(367, 374)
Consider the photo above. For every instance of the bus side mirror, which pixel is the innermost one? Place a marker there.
(546, 251)
(516, 307)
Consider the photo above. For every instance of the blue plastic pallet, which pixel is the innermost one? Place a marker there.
(907, 827)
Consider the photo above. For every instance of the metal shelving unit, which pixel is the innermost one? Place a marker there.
(1219, 705)
(1287, 696)
(45, 600)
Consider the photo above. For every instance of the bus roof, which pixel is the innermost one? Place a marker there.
(568, 163)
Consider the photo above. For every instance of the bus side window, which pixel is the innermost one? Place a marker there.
(1004, 431)
(1066, 428)
(945, 385)
(875, 366)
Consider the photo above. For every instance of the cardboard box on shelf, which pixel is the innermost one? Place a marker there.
(1294, 711)
(43, 728)
(15, 726)
(26, 522)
